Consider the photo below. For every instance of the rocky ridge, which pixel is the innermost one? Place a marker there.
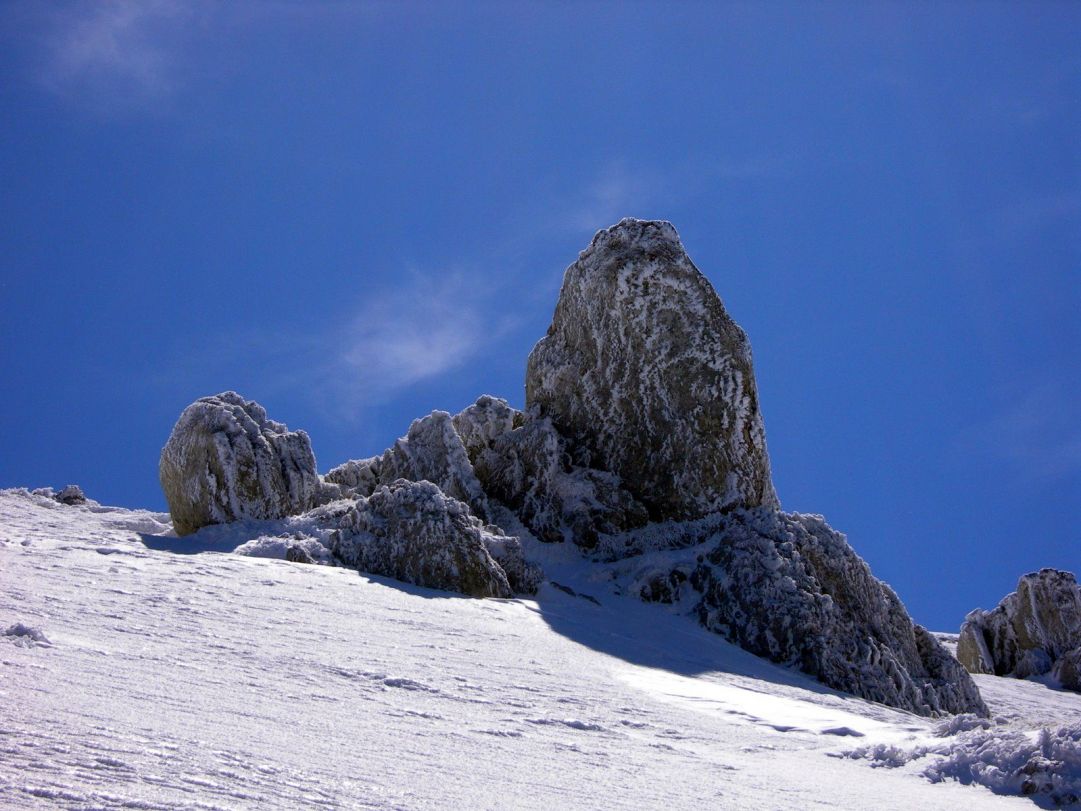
(642, 444)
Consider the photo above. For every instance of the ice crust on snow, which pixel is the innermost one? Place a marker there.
(643, 368)
(225, 460)
(1029, 631)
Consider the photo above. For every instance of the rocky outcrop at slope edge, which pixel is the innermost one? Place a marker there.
(430, 451)
(413, 532)
(644, 372)
(492, 452)
(790, 588)
(1029, 632)
(226, 461)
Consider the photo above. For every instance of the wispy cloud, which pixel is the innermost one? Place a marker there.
(117, 49)
(617, 191)
(427, 326)
(423, 327)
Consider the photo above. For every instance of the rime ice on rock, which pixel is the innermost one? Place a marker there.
(412, 532)
(530, 470)
(225, 461)
(790, 588)
(643, 369)
(1029, 632)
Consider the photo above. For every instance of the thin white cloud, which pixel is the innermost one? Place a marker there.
(424, 327)
(617, 191)
(116, 49)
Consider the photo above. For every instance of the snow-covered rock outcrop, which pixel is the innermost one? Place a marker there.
(413, 532)
(790, 588)
(1029, 631)
(642, 443)
(530, 470)
(225, 461)
(643, 370)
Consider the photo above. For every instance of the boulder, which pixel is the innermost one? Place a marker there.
(647, 377)
(413, 532)
(1067, 670)
(431, 450)
(71, 495)
(788, 587)
(225, 461)
(1028, 631)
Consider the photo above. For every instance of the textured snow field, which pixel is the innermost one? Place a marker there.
(215, 680)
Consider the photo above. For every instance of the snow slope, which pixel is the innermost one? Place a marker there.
(214, 680)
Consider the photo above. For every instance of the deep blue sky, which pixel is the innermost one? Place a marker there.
(356, 214)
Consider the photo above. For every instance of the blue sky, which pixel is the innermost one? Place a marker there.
(358, 213)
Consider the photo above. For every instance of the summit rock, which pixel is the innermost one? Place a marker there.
(644, 371)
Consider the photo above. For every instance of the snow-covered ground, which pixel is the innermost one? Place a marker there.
(133, 675)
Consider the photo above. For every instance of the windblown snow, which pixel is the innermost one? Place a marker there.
(133, 675)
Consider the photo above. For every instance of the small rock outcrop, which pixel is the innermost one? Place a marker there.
(1067, 670)
(789, 588)
(1029, 632)
(413, 532)
(643, 370)
(71, 495)
(225, 461)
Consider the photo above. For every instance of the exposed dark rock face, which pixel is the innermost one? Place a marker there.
(412, 532)
(71, 495)
(226, 461)
(298, 554)
(788, 587)
(644, 372)
(1029, 631)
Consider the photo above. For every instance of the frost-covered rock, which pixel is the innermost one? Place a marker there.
(413, 532)
(1028, 631)
(225, 460)
(71, 495)
(432, 451)
(484, 422)
(1067, 670)
(788, 587)
(643, 369)
(530, 470)
(358, 476)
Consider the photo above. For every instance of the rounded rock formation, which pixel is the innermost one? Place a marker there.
(226, 461)
(1029, 631)
(643, 370)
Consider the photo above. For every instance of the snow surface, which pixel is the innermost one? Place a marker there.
(215, 680)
